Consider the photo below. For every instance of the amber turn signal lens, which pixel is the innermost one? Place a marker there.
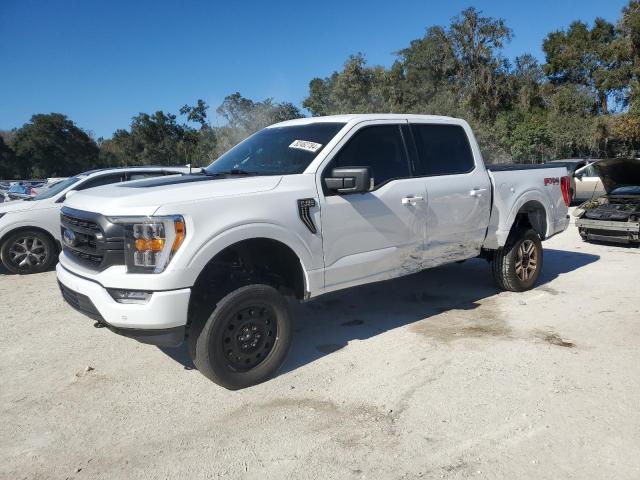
(154, 245)
(180, 232)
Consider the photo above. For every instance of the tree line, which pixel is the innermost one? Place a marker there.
(584, 101)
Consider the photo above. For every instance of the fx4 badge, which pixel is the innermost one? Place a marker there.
(551, 181)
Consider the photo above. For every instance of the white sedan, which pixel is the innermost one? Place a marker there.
(30, 229)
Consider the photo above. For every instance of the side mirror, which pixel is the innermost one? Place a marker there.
(349, 180)
(65, 196)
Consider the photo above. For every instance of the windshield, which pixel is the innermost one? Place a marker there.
(276, 150)
(56, 188)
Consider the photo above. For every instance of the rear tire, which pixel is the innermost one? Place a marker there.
(246, 338)
(28, 251)
(516, 267)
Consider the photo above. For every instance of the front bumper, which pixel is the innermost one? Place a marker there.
(160, 321)
(609, 231)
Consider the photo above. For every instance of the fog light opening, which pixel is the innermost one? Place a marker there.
(130, 296)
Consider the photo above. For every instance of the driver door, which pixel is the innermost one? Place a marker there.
(378, 234)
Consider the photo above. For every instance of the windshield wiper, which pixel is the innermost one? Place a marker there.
(233, 171)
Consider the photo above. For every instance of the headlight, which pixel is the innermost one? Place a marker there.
(150, 242)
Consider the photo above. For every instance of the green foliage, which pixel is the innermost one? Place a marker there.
(357, 89)
(428, 65)
(596, 58)
(7, 161)
(51, 145)
(152, 140)
(621, 134)
(629, 26)
(197, 113)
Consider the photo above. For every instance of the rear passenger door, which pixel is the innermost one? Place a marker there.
(378, 234)
(458, 191)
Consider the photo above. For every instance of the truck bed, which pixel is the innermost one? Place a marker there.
(532, 185)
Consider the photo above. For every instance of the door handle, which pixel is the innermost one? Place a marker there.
(477, 192)
(411, 200)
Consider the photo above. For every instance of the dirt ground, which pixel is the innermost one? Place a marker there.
(436, 375)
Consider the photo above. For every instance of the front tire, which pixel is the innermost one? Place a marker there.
(28, 251)
(246, 339)
(516, 267)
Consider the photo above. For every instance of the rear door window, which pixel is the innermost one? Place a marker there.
(589, 171)
(102, 180)
(442, 149)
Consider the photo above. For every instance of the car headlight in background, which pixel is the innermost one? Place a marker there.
(151, 242)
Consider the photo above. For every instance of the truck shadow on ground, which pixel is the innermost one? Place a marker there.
(328, 324)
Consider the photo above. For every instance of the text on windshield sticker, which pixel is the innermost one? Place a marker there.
(312, 147)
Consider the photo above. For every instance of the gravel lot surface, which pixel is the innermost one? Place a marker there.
(435, 375)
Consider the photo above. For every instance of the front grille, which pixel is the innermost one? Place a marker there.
(94, 260)
(91, 239)
(83, 224)
(84, 243)
(81, 303)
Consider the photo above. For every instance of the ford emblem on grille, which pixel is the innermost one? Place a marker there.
(69, 237)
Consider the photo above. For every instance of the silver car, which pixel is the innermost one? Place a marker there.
(587, 184)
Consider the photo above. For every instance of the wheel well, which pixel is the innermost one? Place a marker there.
(257, 260)
(37, 229)
(532, 215)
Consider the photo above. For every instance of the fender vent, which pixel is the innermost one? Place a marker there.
(304, 207)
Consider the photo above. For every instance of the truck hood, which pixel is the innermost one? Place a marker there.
(144, 197)
(618, 172)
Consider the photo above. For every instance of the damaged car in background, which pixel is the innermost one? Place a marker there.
(614, 216)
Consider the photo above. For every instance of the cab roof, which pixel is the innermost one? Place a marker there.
(360, 117)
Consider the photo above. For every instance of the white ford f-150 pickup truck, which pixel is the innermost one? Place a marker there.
(300, 208)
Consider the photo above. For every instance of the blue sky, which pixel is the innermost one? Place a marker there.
(101, 62)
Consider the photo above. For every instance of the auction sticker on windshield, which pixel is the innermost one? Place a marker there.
(312, 147)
